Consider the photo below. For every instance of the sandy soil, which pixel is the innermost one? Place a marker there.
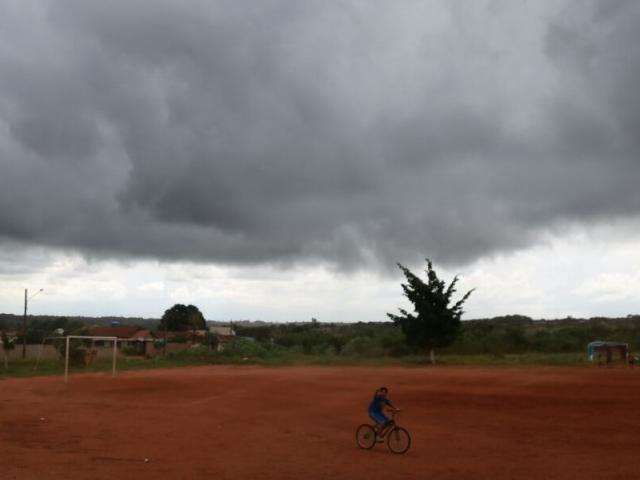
(298, 423)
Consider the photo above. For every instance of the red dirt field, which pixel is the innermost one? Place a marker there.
(298, 423)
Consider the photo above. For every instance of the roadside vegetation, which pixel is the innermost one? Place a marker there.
(509, 341)
(247, 352)
(410, 339)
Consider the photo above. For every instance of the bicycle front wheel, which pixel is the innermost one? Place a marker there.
(365, 436)
(398, 440)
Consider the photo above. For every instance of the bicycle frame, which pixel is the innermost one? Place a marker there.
(389, 426)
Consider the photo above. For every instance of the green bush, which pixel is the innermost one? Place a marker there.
(363, 346)
(393, 343)
(129, 350)
(179, 339)
(242, 347)
(77, 351)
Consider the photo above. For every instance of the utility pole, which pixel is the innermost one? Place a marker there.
(24, 326)
(24, 321)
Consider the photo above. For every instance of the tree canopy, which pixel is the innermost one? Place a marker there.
(435, 323)
(7, 342)
(181, 318)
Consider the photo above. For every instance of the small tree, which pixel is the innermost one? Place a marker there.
(434, 323)
(7, 344)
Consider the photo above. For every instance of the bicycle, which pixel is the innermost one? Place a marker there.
(398, 438)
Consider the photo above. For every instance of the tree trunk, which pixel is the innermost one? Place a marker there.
(432, 356)
(6, 360)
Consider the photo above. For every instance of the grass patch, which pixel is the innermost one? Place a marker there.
(282, 357)
(525, 359)
(24, 368)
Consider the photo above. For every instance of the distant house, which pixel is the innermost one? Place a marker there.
(223, 335)
(121, 332)
(143, 335)
(224, 331)
(184, 336)
(177, 341)
(138, 339)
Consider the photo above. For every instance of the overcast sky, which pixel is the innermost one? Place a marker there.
(274, 159)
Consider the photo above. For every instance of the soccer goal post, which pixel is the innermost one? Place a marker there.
(93, 339)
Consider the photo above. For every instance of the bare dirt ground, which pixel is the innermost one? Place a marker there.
(299, 422)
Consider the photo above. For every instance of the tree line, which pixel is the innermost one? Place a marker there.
(434, 323)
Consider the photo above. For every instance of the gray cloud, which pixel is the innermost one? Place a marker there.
(284, 131)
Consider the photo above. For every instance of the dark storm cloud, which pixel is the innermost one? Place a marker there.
(286, 131)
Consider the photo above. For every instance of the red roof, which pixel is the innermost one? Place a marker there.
(120, 332)
(142, 335)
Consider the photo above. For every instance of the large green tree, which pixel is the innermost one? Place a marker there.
(435, 322)
(182, 318)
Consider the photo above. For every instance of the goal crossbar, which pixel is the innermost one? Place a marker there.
(87, 337)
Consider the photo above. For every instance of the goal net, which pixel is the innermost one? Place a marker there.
(90, 353)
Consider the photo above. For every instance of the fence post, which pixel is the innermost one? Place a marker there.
(115, 352)
(66, 362)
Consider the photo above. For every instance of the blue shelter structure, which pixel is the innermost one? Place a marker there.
(599, 348)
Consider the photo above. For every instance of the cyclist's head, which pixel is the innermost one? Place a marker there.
(383, 390)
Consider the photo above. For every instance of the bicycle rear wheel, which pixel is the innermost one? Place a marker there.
(365, 436)
(398, 440)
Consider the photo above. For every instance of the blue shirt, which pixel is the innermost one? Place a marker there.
(378, 403)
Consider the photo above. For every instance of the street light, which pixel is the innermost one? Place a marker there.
(24, 320)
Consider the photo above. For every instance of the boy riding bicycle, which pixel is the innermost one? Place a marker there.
(376, 410)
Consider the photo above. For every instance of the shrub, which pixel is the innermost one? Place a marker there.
(243, 347)
(337, 343)
(363, 346)
(394, 343)
(129, 350)
(77, 351)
